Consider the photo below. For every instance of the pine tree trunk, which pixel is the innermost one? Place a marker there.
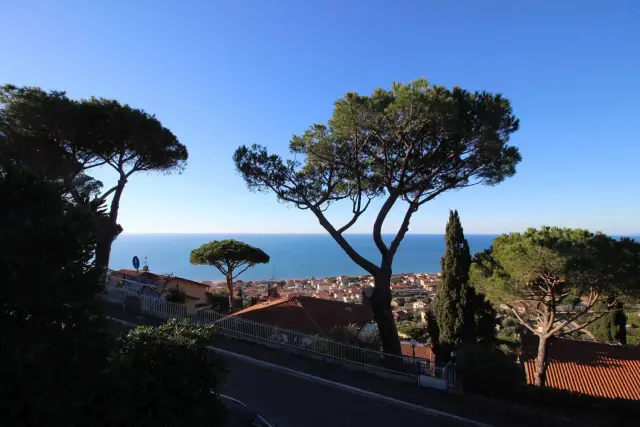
(103, 245)
(230, 287)
(383, 315)
(540, 377)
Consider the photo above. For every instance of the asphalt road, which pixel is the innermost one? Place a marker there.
(294, 402)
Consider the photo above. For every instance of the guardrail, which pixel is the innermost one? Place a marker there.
(262, 333)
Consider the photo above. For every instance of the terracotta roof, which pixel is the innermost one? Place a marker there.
(593, 368)
(129, 272)
(173, 279)
(306, 314)
(422, 351)
(162, 277)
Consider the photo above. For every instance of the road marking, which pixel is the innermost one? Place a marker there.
(347, 388)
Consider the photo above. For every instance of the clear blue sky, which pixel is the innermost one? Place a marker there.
(225, 73)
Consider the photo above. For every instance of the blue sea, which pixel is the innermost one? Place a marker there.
(293, 256)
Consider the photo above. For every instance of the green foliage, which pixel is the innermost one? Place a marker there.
(571, 262)
(368, 139)
(218, 301)
(612, 326)
(412, 143)
(221, 253)
(63, 138)
(176, 295)
(484, 317)
(511, 328)
(462, 315)
(350, 334)
(551, 269)
(432, 329)
(53, 345)
(412, 331)
(89, 132)
(579, 261)
(633, 338)
(59, 366)
(165, 376)
(228, 256)
(488, 372)
(448, 307)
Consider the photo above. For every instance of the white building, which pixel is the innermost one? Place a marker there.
(419, 305)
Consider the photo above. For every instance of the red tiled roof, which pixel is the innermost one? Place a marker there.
(129, 272)
(172, 279)
(162, 277)
(422, 351)
(593, 368)
(306, 314)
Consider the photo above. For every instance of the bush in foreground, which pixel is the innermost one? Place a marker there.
(489, 372)
(53, 350)
(165, 376)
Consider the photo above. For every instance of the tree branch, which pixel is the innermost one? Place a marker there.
(580, 327)
(241, 271)
(103, 196)
(404, 227)
(592, 302)
(522, 322)
(94, 165)
(382, 215)
(352, 253)
(221, 268)
(356, 215)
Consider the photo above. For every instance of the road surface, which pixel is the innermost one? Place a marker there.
(293, 402)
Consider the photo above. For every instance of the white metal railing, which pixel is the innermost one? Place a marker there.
(263, 333)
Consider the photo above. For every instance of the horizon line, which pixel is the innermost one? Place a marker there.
(637, 234)
(298, 234)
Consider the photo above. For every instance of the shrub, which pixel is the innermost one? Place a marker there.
(351, 334)
(53, 347)
(176, 295)
(486, 371)
(412, 331)
(165, 376)
(218, 301)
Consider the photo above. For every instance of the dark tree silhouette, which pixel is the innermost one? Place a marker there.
(230, 257)
(65, 138)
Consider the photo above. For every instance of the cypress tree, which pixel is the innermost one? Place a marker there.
(454, 296)
(611, 326)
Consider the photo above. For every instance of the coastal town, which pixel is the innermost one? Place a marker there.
(412, 292)
(341, 288)
(319, 214)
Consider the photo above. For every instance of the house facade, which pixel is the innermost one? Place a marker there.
(159, 285)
